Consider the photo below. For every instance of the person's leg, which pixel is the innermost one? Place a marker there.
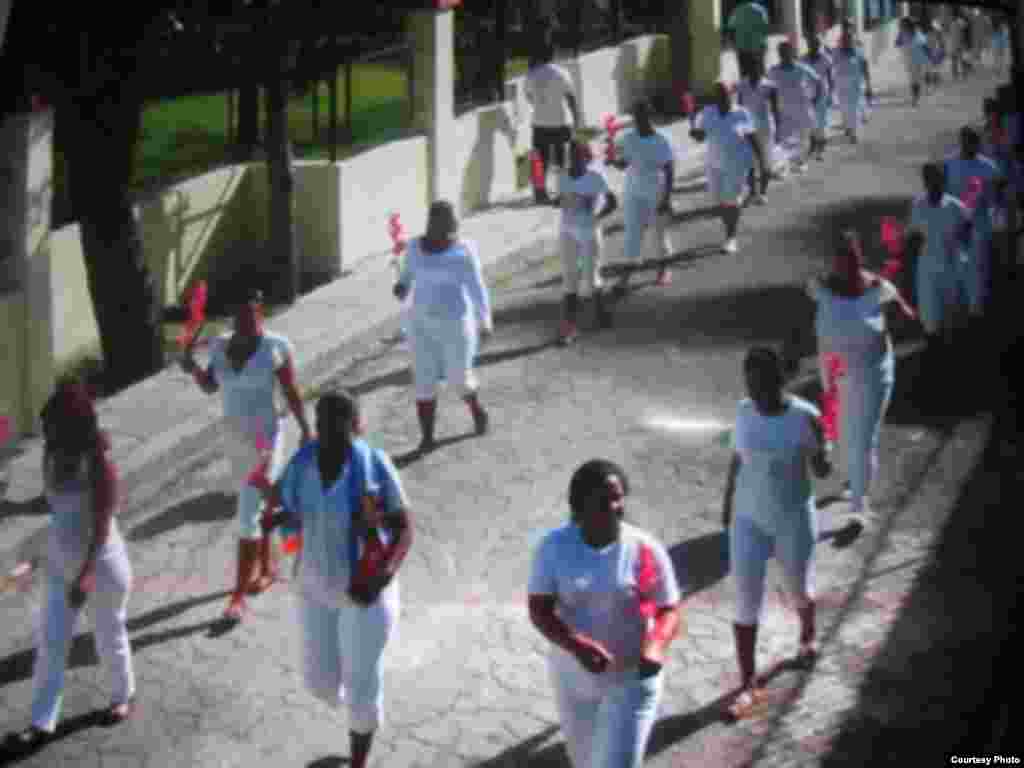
(636, 216)
(55, 633)
(577, 714)
(110, 602)
(460, 355)
(427, 374)
(542, 148)
(795, 550)
(593, 284)
(749, 550)
(663, 246)
(322, 651)
(365, 632)
(624, 723)
(267, 567)
(570, 250)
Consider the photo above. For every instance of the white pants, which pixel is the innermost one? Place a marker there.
(342, 654)
(640, 215)
(749, 549)
(109, 607)
(245, 456)
(864, 396)
(581, 263)
(605, 728)
(443, 348)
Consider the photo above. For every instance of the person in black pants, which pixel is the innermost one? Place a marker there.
(550, 92)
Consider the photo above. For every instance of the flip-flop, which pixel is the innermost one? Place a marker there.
(749, 703)
(118, 713)
(235, 611)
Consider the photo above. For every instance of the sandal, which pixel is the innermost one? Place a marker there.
(749, 703)
(118, 713)
(808, 654)
(235, 611)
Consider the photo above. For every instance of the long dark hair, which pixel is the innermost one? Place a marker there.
(442, 225)
(71, 430)
(588, 478)
(345, 404)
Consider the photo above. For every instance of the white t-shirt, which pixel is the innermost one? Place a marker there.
(941, 226)
(546, 87)
(447, 285)
(580, 198)
(756, 100)
(854, 327)
(773, 487)
(647, 157)
(728, 148)
(598, 591)
(796, 86)
(250, 407)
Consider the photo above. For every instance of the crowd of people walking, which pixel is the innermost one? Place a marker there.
(602, 591)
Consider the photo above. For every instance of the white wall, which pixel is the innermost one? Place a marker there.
(485, 156)
(389, 178)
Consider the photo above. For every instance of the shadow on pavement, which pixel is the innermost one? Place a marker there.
(34, 508)
(18, 666)
(205, 508)
(702, 562)
(97, 718)
(530, 754)
(332, 761)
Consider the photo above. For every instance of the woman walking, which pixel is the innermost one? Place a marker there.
(451, 311)
(86, 563)
(852, 83)
(757, 95)
(769, 489)
(915, 56)
(604, 593)
(850, 322)
(581, 239)
(821, 62)
(347, 500)
(246, 367)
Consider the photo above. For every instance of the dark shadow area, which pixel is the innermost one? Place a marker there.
(34, 508)
(18, 666)
(843, 536)
(206, 508)
(404, 460)
(702, 562)
(955, 692)
(97, 718)
(529, 753)
(332, 761)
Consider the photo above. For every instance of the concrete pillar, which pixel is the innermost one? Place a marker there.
(26, 286)
(432, 37)
(705, 19)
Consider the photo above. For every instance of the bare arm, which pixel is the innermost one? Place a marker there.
(104, 488)
(667, 625)
(286, 376)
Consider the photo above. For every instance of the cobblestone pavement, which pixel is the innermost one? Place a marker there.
(466, 681)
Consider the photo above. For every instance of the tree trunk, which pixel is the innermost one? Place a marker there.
(248, 122)
(102, 135)
(679, 45)
(283, 256)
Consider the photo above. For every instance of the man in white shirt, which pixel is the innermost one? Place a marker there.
(549, 90)
(799, 88)
(733, 142)
(650, 168)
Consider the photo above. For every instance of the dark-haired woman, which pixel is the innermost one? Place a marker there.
(605, 594)
(86, 561)
(850, 322)
(451, 310)
(247, 367)
(347, 500)
(769, 489)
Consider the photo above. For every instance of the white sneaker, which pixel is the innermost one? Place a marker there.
(730, 245)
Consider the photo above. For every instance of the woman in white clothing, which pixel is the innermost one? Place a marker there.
(757, 95)
(769, 488)
(915, 56)
(347, 500)
(733, 144)
(604, 593)
(86, 562)
(451, 311)
(581, 239)
(800, 88)
(852, 81)
(850, 322)
(246, 367)
(650, 168)
(821, 62)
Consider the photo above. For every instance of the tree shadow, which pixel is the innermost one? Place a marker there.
(701, 562)
(36, 507)
(332, 761)
(198, 510)
(18, 666)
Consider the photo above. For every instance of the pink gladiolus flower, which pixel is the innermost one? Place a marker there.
(647, 579)
(5, 429)
(196, 302)
(397, 234)
(835, 369)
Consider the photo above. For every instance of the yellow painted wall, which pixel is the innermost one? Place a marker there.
(12, 351)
